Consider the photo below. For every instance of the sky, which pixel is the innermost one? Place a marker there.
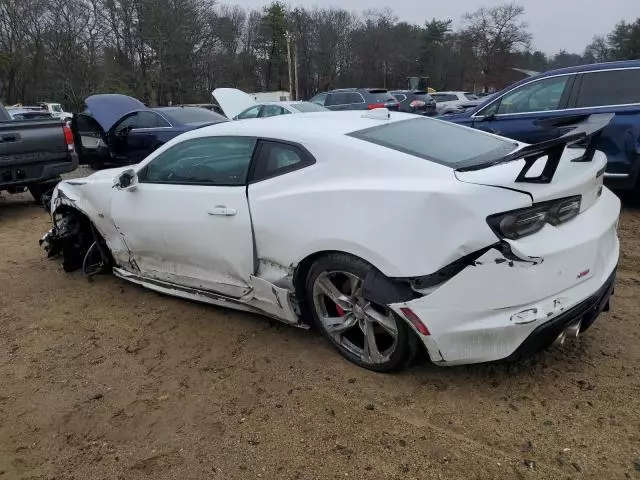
(555, 24)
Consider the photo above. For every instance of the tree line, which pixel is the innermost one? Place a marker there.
(178, 51)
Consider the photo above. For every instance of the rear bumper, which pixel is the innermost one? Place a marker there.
(585, 313)
(508, 307)
(32, 173)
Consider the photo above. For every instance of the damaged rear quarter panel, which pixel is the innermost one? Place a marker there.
(407, 217)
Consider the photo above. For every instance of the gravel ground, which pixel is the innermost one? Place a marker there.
(106, 380)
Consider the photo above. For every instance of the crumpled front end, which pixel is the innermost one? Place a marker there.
(73, 237)
(510, 292)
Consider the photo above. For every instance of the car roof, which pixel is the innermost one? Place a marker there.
(301, 126)
(591, 67)
(359, 89)
(287, 102)
(168, 111)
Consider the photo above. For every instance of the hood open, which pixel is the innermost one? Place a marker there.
(232, 101)
(108, 108)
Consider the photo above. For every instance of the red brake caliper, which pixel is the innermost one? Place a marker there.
(340, 310)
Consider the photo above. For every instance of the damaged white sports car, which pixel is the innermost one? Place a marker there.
(387, 230)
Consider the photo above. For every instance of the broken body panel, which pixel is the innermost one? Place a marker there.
(406, 216)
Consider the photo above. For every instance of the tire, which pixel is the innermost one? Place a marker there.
(39, 189)
(350, 321)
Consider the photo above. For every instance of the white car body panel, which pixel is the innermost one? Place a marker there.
(481, 328)
(232, 101)
(407, 216)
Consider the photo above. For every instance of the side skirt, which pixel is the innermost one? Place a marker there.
(249, 303)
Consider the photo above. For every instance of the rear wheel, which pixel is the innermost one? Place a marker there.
(369, 335)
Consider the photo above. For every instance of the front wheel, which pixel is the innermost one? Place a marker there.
(367, 334)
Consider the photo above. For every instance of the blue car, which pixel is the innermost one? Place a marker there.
(120, 130)
(543, 107)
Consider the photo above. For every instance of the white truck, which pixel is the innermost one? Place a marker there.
(55, 109)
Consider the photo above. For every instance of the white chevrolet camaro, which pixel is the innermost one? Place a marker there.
(388, 231)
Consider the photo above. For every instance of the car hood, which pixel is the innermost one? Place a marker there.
(108, 108)
(232, 101)
(99, 176)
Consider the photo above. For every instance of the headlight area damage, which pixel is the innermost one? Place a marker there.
(75, 239)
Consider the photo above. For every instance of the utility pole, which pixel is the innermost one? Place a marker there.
(288, 37)
(295, 69)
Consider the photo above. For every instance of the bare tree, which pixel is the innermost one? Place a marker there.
(496, 33)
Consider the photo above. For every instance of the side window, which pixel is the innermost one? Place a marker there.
(249, 113)
(400, 97)
(128, 123)
(221, 161)
(354, 98)
(147, 120)
(319, 99)
(273, 111)
(161, 121)
(338, 99)
(618, 87)
(535, 97)
(275, 158)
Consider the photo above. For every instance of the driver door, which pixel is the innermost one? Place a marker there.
(527, 113)
(118, 138)
(187, 221)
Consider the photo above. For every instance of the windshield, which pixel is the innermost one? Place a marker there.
(56, 107)
(471, 96)
(438, 141)
(191, 115)
(307, 107)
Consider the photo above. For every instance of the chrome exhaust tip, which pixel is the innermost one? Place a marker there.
(573, 330)
(559, 341)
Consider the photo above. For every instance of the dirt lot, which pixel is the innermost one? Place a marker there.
(106, 380)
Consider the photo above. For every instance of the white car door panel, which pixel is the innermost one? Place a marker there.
(187, 221)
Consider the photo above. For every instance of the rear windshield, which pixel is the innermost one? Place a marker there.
(192, 115)
(438, 141)
(306, 107)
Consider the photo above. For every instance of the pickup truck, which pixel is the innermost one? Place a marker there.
(33, 154)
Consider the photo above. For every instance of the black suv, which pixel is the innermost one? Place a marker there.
(415, 101)
(356, 99)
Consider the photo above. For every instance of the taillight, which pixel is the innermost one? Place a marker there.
(417, 103)
(68, 137)
(415, 320)
(527, 221)
(371, 106)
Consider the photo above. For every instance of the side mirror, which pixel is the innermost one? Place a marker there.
(127, 180)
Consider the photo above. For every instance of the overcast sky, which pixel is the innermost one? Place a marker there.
(555, 24)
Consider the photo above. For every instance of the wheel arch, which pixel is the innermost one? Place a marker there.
(380, 288)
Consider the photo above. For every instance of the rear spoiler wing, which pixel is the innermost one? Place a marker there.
(588, 131)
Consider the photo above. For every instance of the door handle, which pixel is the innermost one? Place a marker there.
(222, 211)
